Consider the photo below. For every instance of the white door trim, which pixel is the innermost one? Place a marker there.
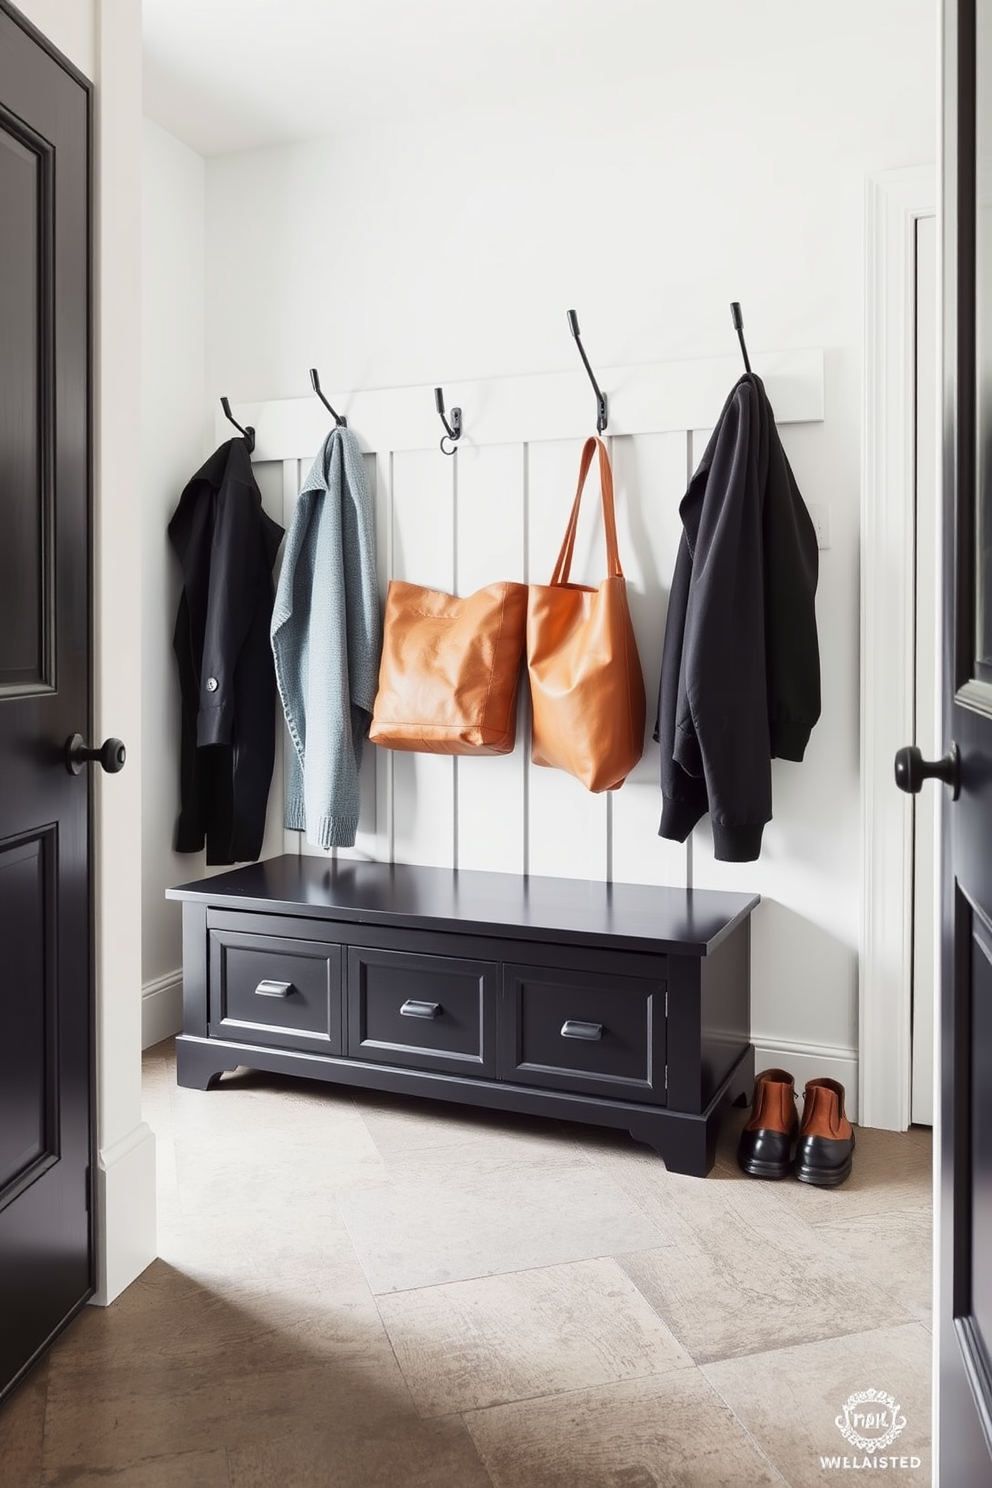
(893, 202)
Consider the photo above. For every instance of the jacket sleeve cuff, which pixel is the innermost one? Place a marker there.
(788, 738)
(678, 818)
(736, 844)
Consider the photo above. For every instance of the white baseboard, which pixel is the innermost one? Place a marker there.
(161, 1008)
(125, 1212)
(811, 1062)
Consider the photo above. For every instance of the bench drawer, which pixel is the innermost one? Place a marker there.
(268, 990)
(590, 1032)
(428, 1012)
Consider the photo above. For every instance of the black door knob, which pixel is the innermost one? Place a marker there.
(111, 755)
(912, 769)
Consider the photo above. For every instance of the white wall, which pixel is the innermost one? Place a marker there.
(175, 440)
(71, 25)
(451, 249)
(103, 39)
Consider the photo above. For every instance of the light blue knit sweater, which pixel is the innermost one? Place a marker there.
(326, 638)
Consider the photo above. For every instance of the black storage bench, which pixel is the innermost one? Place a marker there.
(618, 1005)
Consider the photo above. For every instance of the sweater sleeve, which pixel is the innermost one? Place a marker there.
(721, 729)
(361, 592)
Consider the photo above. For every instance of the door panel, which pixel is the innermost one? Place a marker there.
(27, 1064)
(927, 720)
(980, 1134)
(965, 1199)
(24, 184)
(45, 939)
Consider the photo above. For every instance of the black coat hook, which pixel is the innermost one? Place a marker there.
(600, 396)
(338, 418)
(453, 431)
(248, 431)
(738, 319)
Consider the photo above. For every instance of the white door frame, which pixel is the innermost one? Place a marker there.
(894, 200)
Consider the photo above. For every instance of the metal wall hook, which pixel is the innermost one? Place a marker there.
(453, 430)
(738, 319)
(338, 418)
(248, 431)
(601, 407)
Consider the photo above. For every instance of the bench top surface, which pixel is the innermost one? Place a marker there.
(687, 921)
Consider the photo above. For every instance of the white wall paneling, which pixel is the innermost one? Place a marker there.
(648, 398)
(893, 204)
(423, 552)
(175, 434)
(650, 475)
(491, 542)
(498, 510)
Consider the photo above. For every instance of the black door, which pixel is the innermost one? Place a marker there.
(45, 936)
(965, 1192)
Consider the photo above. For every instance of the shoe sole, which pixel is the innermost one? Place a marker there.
(825, 1177)
(763, 1169)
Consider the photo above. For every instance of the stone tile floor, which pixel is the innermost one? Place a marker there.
(358, 1290)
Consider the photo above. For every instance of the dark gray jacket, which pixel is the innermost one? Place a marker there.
(740, 676)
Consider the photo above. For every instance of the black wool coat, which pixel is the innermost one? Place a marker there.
(226, 545)
(740, 675)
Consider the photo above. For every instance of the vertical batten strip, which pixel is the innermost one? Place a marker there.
(292, 841)
(370, 841)
(423, 526)
(454, 590)
(384, 757)
(490, 548)
(649, 474)
(689, 468)
(523, 718)
(610, 442)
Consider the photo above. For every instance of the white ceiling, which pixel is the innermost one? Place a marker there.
(226, 75)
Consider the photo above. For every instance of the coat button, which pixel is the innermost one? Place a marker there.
(212, 684)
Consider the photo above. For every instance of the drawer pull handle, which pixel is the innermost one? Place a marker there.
(573, 1028)
(414, 1009)
(274, 989)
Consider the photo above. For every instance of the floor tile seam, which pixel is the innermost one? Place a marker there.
(665, 1322)
(784, 1348)
(606, 1384)
(434, 1286)
(755, 1443)
(793, 1248)
(704, 1361)
(476, 1449)
(603, 1255)
(682, 1219)
(397, 1361)
(416, 1408)
(680, 1371)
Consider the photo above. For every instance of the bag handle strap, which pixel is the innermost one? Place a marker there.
(563, 567)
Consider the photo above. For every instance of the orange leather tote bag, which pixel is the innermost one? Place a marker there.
(586, 684)
(449, 668)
